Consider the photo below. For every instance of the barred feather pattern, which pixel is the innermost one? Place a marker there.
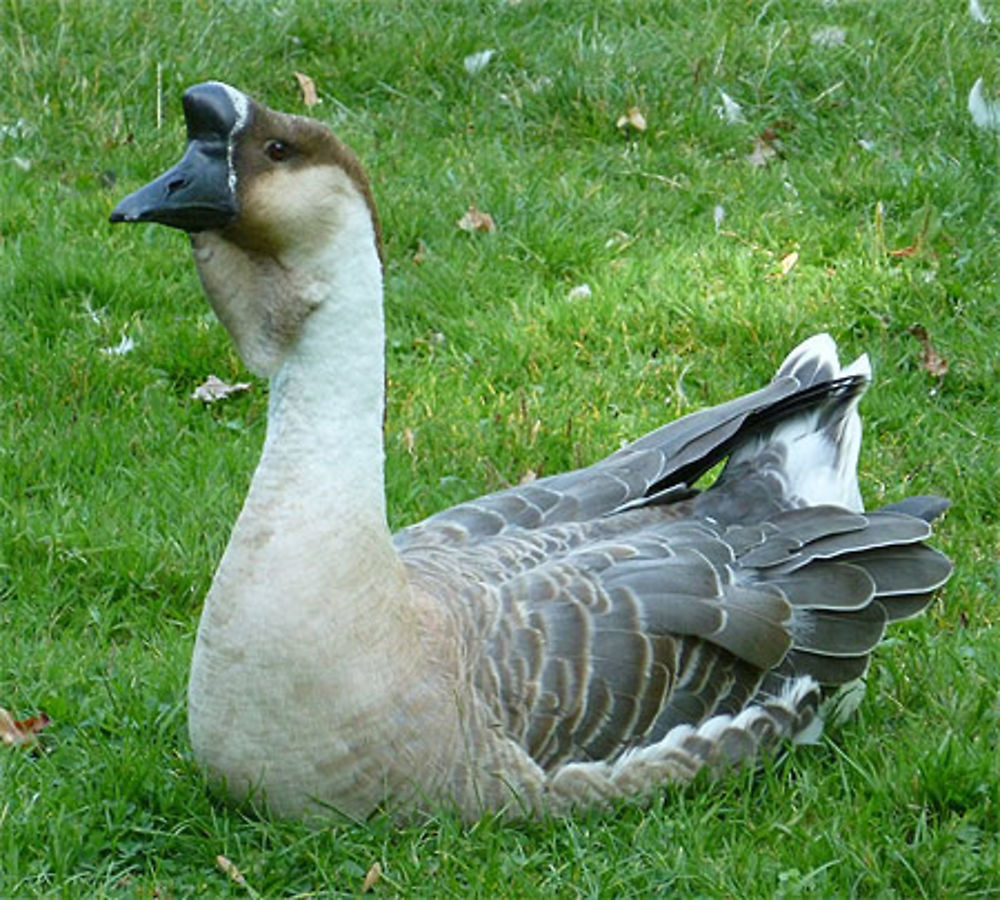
(621, 630)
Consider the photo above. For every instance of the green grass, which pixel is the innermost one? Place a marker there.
(117, 490)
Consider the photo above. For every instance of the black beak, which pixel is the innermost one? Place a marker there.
(199, 193)
(194, 195)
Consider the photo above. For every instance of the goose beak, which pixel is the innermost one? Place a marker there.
(199, 192)
(194, 195)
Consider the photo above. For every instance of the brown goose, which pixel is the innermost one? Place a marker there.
(585, 637)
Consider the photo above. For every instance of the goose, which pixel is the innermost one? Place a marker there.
(587, 637)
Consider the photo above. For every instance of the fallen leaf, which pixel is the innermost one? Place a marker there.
(788, 262)
(475, 62)
(976, 11)
(213, 389)
(730, 111)
(308, 88)
(421, 253)
(932, 361)
(229, 867)
(766, 146)
(918, 244)
(632, 118)
(372, 878)
(409, 440)
(23, 732)
(985, 113)
(476, 220)
(762, 153)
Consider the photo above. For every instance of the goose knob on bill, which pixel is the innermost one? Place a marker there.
(590, 636)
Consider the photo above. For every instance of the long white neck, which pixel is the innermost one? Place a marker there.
(311, 547)
(323, 455)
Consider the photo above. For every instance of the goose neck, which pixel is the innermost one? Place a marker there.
(324, 432)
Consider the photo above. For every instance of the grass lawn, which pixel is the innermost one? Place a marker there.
(851, 147)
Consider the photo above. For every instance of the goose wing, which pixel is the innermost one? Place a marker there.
(610, 645)
(604, 608)
(596, 641)
(662, 463)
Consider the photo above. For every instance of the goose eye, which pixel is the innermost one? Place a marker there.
(277, 151)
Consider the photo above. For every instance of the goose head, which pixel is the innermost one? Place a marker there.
(278, 211)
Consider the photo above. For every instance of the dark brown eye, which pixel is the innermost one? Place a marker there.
(277, 151)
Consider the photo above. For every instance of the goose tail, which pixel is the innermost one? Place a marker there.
(810, 442)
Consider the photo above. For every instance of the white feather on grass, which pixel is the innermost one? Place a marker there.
(985, 113)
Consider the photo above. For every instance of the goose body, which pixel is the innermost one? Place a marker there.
(588, 636)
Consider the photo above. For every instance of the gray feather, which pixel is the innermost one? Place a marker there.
(614, 605)
(905, 570)
(839, 634)
(826, 584)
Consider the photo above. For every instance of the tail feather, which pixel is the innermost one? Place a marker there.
(922, 506)
(840, 634)
(814, 450)
(845, 587)
(901, 572)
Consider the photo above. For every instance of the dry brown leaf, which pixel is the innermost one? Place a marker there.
(633, 118)
(372, 878)
(766, 146)
(788, 262)
(23, 732)
(932, 361)
(476, 220)
(308, 88)
(229, 867)
(214, 388)
(762, 153)
(917, 247)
